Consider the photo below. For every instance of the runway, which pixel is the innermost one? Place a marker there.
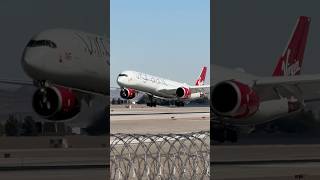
(141, 119)
(61, 174)
(265, 161)
(306, 171)
(52, 158)
(53, 163)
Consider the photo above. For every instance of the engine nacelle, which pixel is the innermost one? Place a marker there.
(270, 110)
(234, 99)
(128, 93)
(56, 103)
(183, 92)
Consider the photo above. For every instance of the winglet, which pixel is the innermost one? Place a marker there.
(290, 62)
(202, 76)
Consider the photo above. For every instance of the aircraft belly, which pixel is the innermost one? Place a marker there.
(75, 77)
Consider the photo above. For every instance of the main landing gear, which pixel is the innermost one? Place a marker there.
(152, 102)
(222, 133)
(179, 103)
(41, 83)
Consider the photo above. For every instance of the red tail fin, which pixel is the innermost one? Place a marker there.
(290, 61)
(202, 77)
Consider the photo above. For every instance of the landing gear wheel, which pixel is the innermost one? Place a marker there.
(179, 103)
(151, 103)
(41, 83)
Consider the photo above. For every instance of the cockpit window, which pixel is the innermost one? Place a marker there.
(38, 43)
(123, 75)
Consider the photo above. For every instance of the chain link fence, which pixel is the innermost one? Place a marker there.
(160, 156)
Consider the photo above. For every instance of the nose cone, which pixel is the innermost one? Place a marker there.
(125, 79)
(32, 62)
(121, 80)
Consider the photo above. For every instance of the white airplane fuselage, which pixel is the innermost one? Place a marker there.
(148, 83)
(69, 58)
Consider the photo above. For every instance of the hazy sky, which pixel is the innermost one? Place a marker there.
(252, 34)
(167, 38)
(20, 20)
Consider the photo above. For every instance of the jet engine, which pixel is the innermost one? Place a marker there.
(183, 92)
(128, 93)
(56, 103)
(234, 99)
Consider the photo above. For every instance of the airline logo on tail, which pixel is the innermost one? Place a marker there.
(290, 62)
(290, 69)
(202, 77)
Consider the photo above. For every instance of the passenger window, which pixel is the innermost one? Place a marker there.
(145, 77)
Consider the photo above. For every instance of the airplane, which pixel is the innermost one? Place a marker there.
(240, 99)
(67, 66)
(131, 82)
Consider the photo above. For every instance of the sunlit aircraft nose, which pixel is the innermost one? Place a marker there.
(121, 80)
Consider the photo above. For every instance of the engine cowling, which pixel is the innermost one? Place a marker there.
(128, 93)
(234, 99)
(56, 103)
(183, 92)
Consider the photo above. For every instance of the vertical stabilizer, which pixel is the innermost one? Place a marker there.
(290, 62)
(202, 77)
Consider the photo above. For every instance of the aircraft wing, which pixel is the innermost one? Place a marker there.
(17, 82)
(193, 89)
(31, 83)
(306, 87)
(87, 96)
(197, 89)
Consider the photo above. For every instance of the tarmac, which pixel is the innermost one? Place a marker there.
(54, 174)
(230, 162)
(249, 161)
(18, 160)
(53, 163)
(157, 120)
(265, 161)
